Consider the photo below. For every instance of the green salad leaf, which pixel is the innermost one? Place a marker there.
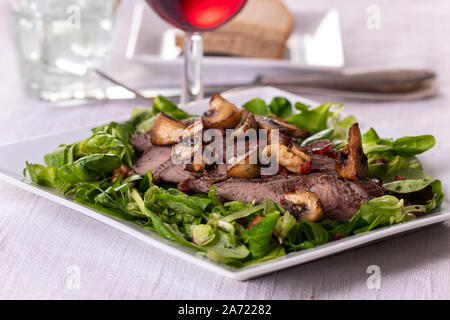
(259, 236)
(164, 105)
(311, 120)
(411, 146)
(222, 247)
(89, 168)
(280, 107)
(257, 106)
(46, 176)
(321, 135)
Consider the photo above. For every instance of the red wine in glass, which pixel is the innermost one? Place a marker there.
(197, 15)
(194, 17)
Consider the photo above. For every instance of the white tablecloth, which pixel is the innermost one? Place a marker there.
(40, 240)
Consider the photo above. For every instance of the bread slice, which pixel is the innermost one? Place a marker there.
(260, 30)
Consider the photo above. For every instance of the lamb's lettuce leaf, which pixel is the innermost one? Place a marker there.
(164, 105)
(311, 120)
(259, 236)
(280, 107)
(46, 176)
(223, 247)
(90, 168)
(257, 106)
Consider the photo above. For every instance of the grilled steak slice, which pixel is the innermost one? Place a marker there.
(141, 142)
(323, 164)
(157, 159)
(340, 198)
(202, 184)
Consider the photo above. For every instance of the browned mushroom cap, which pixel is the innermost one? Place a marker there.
(195, 167)
(281, 139)
(245, 165)
(307, 203)
(248, 122)
(166, 130)
(294, 160)
(222, 114)
(351, 162)
(190, 143)
(269, 123)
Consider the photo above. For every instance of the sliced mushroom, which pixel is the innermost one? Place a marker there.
(292, 159)
(222, 114)
(166, 130)
(269, 123)
(195, 167)
(247, 122)
(351, 162)
(281, 139)
(190, 144)
(245, 165)
(194, 129)
(307, 203)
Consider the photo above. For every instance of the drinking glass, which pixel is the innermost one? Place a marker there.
(60, 43)
(195, 17)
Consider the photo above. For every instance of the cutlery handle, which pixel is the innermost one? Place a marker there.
(358, 80)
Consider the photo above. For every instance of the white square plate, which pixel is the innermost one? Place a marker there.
(14, 155)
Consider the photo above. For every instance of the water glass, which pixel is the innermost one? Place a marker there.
(60, 43)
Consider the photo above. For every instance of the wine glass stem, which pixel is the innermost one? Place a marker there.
(193, 78)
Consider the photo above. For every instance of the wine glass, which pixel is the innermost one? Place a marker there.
(195, 17)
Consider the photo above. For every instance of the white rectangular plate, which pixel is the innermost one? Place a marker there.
(15, 154)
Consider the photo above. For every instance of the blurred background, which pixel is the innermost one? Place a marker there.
(132, 45)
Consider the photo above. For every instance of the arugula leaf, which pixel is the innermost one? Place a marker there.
(260, 235)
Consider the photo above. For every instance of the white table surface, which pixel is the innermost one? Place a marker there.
(39, 239)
